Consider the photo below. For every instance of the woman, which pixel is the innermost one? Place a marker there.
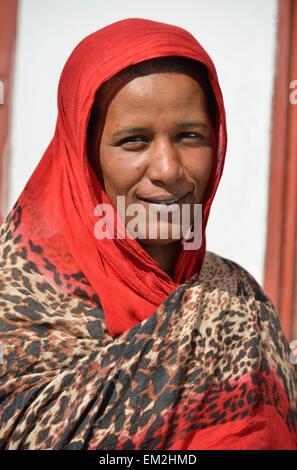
(114, 341)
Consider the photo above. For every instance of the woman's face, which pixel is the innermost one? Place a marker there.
(157, 145)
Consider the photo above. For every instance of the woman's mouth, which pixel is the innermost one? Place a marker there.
(167, 201)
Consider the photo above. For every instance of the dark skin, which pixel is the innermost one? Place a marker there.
(169, 157)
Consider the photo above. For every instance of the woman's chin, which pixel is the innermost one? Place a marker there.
(157, 242)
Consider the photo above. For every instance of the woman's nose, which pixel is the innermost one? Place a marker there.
(164, 163)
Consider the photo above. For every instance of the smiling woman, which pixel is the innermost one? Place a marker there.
(123, 342)
(153, 142)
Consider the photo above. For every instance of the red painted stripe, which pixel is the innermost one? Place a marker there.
(280, 280)
(8, 19)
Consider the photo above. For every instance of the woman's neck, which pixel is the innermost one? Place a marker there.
(166, 256)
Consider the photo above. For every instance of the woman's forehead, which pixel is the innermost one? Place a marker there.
(161, 92)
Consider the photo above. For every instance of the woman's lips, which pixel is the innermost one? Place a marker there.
(167, 201)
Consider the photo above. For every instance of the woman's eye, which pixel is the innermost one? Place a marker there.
(133, 140)
(191, 135)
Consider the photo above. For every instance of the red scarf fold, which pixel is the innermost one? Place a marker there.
(59, 199)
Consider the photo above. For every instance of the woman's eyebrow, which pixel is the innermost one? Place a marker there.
(126, 130)
(199, 125)
(181, 125)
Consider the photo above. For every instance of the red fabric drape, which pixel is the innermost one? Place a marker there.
(59, 199)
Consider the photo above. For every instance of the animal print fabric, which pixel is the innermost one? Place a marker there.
(209, 369)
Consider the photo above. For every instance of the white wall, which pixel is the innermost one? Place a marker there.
(240, 37)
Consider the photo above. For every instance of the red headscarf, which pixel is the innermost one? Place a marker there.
(57, 205)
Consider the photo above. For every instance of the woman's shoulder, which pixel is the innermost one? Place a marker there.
(237, 298)
(227, 274)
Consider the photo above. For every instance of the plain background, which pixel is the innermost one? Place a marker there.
(239, 35)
